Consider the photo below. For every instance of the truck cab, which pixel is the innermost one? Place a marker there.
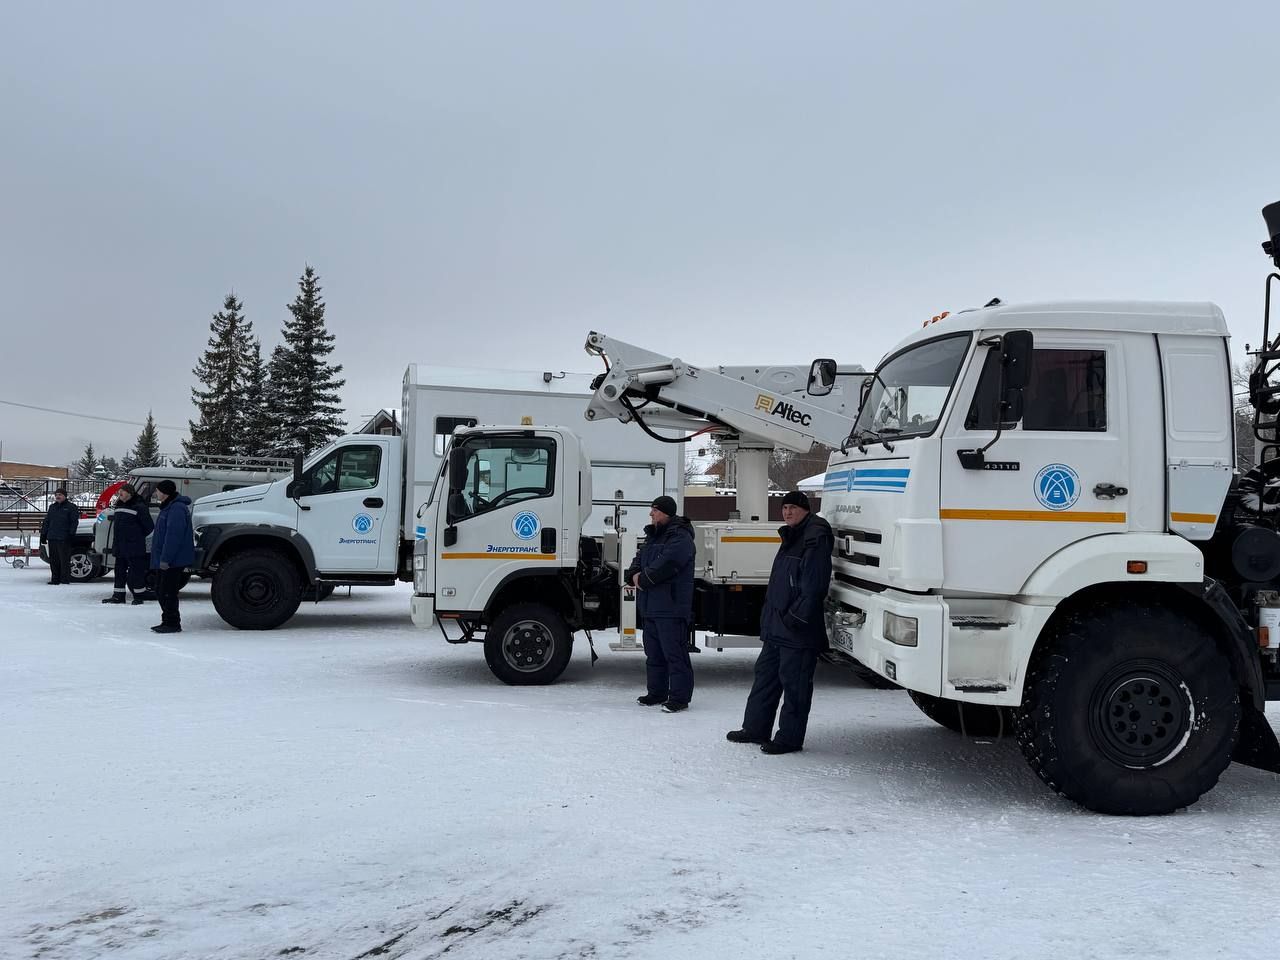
(1027, 486)
(336, 520)
(501, 551)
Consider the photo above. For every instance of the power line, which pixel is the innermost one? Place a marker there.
(88, 416)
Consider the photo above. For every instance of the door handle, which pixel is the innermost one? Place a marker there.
(373, 502)
(548, 539)
(1109, 491)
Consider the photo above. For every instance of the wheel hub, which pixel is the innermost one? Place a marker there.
(258, 591)
(527, 646)
(81, 566)
(1141, 713)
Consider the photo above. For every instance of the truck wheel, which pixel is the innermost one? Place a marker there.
(84, 568)
(1129, 709)
(971, 719)
(528, 643)
(257, 590)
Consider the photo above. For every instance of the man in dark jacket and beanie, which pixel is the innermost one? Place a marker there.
(662, 572)
(58, 534)
(793, 630)
(173, 549)
(130, 526)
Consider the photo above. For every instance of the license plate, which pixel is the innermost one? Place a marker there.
(843, 639)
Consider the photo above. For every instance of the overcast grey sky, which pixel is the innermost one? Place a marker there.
(481, 184)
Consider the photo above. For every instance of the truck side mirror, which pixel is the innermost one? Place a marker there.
(295, 489)
(822, 378)
(457, 468)
(297, 466)
(1015, 358)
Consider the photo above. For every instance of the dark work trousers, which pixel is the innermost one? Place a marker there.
(167, 583)
(784, 673)
(668, 670)
(133, 571)
(60, 560)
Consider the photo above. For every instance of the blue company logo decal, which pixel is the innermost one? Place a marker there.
(1057, 487)
(420, 533)
(362, 523)
(526, 525)
(866, 479)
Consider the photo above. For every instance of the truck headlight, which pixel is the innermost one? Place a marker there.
(904, 631)
(419, 563)
(419, 580)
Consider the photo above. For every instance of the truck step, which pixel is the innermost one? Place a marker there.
(980, 623)
(980, 686)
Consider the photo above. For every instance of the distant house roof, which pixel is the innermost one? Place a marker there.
(386, 421)
(815, 482)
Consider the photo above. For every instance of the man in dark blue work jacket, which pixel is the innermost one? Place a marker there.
(793, 631)
(662, 572)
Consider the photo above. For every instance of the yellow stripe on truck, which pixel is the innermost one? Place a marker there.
(498, 556)
(1193, 518)
(1054, 516)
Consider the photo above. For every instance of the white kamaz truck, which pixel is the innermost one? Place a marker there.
(1038, 516)
(348, 514)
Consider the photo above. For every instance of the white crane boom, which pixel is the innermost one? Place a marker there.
(756, 404)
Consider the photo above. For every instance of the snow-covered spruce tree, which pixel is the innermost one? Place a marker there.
(84, 468)
(304, 385)
(220, 396)
(146, 449)
(261, 421)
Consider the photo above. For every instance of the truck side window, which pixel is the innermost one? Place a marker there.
(502, 471)
(444, 430)
(347, 468)
(1066, 391)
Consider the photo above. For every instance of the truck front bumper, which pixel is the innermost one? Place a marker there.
(857, 624)
(423, 610)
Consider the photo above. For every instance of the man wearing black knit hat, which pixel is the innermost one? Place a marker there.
(662, 573)
(793, 631)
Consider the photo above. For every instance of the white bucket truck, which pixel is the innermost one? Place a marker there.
(522, 571)
(1038, 517)
(349, 513)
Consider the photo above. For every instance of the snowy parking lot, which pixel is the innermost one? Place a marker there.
(352, 787)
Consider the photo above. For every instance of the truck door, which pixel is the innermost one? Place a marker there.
(504, 514)
(1052, 478)
(343, 508)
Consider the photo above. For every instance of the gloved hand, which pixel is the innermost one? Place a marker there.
(43, 541)
(163, 565)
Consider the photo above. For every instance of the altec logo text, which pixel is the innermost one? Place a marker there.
(782, 409)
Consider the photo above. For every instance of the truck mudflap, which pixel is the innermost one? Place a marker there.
(1256, 745)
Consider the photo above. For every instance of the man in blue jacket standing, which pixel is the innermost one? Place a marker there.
(173, 549)
(793, 630)
(662, 572)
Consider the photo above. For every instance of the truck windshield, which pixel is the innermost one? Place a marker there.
(910, 389)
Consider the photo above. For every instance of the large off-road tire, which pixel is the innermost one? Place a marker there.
(528, 643)
(1129, 709)
(970, 719)
(257, 590)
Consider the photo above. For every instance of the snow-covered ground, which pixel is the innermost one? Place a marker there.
(351, 787)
